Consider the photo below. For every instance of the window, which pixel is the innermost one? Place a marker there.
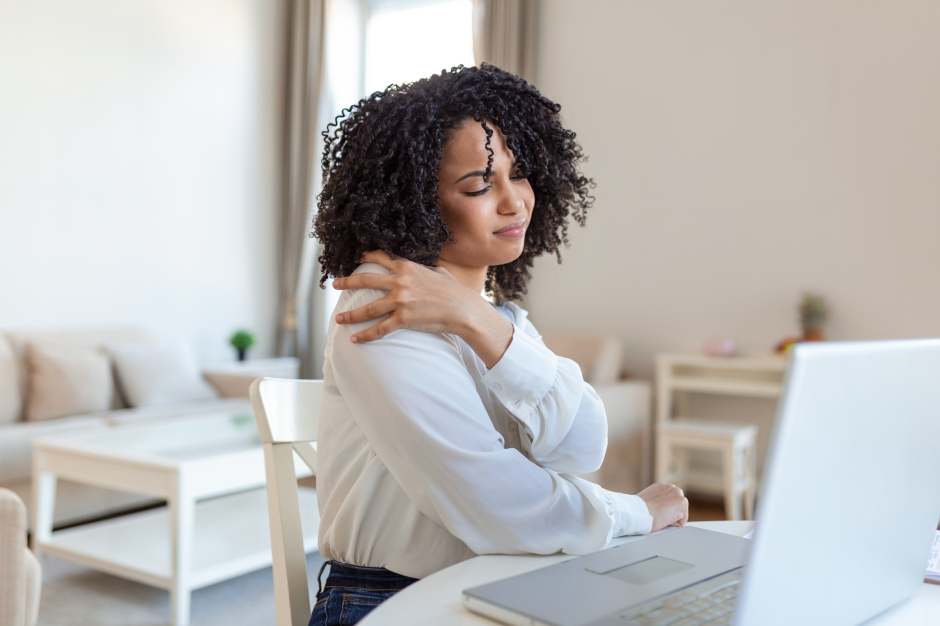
(406, 41)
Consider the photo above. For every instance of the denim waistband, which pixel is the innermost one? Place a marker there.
(346, 575)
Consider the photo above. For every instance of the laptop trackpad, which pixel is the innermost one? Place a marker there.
(646, 571)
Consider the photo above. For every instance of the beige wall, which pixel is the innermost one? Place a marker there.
(743, 152)
(138, 165)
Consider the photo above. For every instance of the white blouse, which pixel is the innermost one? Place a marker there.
(426, 459)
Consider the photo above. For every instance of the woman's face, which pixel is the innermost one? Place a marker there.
(488, 218)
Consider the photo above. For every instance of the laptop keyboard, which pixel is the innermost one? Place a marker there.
(709, 602)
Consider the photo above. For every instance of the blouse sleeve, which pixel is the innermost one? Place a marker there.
(415, 402)
(562, 416)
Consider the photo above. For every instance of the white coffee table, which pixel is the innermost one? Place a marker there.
(210, 470)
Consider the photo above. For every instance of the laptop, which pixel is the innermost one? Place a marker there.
(849, 504)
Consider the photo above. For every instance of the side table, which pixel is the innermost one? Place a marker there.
(233, 379)
(677, 376)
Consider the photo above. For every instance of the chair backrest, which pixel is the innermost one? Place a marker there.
(287, 412)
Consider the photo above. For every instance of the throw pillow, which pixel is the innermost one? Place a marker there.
(64, 381)
(10, 403)
(155, 375)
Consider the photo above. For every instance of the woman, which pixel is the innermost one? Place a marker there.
(447, 428)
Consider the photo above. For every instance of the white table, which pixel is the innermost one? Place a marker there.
(437, 599)
(188, 544)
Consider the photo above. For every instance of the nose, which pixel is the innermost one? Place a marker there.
(511, 203)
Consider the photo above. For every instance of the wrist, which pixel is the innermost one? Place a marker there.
(486, 331)
(473, 324)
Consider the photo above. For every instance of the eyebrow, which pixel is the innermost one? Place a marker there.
(471, 175)
(480, 173)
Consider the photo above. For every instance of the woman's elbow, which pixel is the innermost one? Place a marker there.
(593, 457)
(585, 458)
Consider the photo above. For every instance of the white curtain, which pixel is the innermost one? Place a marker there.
(340, 87)
(305, 40)
(504, 35)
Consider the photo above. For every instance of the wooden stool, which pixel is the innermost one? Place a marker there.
(737, 445)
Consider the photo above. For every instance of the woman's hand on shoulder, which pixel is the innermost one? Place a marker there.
(427, 299)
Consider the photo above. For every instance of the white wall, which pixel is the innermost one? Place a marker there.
(743, 152)
(138, 166)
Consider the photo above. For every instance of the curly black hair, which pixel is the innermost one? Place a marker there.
(380, 162)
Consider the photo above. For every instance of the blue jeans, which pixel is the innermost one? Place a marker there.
(352, 591)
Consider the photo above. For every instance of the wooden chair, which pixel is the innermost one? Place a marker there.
(287, 412)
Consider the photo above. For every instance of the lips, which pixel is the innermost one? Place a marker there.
(516, 229)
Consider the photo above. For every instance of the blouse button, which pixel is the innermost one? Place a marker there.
(513, 426)
(497, 387)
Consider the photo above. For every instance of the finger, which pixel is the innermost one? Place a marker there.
(380, 307)
(367, 280)
(679, 517)
(375, 332)
(380, 257)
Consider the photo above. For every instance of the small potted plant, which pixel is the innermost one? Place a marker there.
(241, 341)
(814, 311)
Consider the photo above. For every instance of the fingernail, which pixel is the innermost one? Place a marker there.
(354, 339)
(339, 318)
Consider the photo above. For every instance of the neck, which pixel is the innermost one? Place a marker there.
(470, 277)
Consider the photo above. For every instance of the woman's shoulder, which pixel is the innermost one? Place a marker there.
(371, 268)
(364, 296)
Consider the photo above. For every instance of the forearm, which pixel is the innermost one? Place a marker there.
(486, 332)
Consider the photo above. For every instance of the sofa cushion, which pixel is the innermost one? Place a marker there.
(65, 381)
(179, 409)
(600, 357)
(93, 338)
(10, 405)
(156, 375)
(16, 453)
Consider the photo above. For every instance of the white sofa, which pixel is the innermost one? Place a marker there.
(20, 572)
(627, 466)
(75, 502)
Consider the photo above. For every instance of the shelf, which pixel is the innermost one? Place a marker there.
(231, 537)
(767, 363)
(735, 387)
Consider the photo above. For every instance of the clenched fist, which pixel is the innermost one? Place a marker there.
(667, 504)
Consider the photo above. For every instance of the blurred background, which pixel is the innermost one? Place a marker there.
(160, 163)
